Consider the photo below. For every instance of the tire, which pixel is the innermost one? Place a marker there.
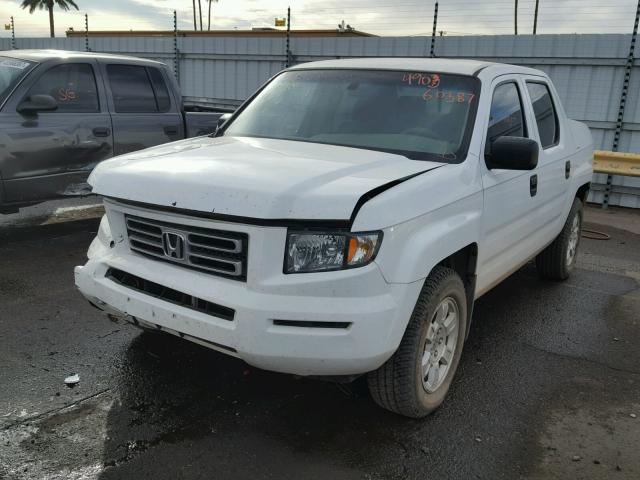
(556, 262)
(398, 384)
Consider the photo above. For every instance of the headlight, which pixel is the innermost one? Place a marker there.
(321, 252)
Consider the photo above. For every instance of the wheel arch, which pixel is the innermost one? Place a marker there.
(465, 262)
(583, 192)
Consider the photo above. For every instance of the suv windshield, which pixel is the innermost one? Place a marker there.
(11, 71)
(421, 115)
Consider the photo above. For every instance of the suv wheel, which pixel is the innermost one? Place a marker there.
(558, 260)
(416, 379)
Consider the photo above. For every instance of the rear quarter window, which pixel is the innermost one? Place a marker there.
(138, 89)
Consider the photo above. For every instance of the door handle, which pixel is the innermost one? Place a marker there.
(171, 130)
(567, 169)
(101, 132)
(533, 185)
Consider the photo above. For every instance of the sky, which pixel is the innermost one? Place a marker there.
(402, 17)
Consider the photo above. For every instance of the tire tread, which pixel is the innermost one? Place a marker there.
(550, 263)
(389, 386)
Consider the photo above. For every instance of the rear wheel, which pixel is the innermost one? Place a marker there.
(416, 379)
(557, 261)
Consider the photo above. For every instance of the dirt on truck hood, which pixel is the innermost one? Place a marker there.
(253, 177)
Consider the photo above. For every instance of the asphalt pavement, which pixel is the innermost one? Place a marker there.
(548, 386)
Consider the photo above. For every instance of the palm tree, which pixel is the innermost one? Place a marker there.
(48, 4)
(209, 22)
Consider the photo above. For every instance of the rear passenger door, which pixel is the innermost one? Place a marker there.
(554, 168)
(143, 111)
(510, 199)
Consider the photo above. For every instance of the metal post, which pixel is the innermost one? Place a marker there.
(623, 100)
(515, 19)
(13, 35)
(86, 33)
(288, 62)
(176, 57)
(433, 33)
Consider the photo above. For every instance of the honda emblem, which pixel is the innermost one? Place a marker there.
(173, 245)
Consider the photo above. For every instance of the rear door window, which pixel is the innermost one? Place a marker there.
(72, 85)
(132, 90)
(545, 112)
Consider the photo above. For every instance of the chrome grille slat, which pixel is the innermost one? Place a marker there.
(236, 249)
(217, 258)
(146, 252)
(143, 232)
(137, 238)
(143, 221)
(225, 256)
(237, 268)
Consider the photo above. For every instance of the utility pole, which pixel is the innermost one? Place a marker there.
(13, 35)
(195, 23)
(86, 33)
(433, 33)
(288, 63)
(515, 19)
(200, 12)
(535, 18)
(176, 58)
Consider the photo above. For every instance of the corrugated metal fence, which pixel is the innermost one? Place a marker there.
(587, 70)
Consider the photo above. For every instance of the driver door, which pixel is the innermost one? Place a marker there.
(510, 196)
(51, 153)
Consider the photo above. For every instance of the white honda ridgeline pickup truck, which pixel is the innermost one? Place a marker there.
(345, 218)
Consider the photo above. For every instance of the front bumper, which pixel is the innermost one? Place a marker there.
(376, 312)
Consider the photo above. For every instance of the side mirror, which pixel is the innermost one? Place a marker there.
(513, 153)
(223, 119)
(38, 103)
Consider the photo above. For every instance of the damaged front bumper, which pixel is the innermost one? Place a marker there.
(329, 323)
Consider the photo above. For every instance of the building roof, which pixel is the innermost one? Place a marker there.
(41, 55)
(256, 32)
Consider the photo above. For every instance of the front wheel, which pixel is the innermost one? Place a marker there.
(556, 262)
(416, 379)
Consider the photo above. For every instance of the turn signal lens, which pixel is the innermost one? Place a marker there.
(362, 249)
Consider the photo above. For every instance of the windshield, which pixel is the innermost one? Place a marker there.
(11, 71)
(421, 115)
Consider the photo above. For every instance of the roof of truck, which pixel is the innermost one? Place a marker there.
(42, 55)
(455, 66)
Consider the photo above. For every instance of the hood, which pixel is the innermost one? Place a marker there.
(253, 177)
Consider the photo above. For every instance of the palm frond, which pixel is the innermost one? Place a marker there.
(44, 4)
(32, 5)
(66, 4)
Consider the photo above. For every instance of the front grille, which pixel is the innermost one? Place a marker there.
(217, 252)
(169, 295)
